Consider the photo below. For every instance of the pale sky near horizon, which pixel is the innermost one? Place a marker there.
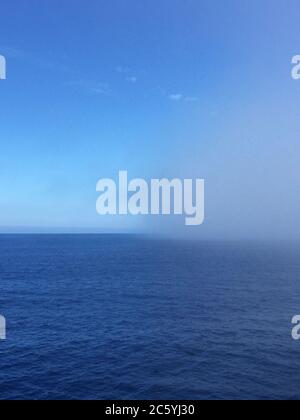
(176, 88)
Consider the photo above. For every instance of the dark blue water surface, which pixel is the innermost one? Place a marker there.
(124, 317)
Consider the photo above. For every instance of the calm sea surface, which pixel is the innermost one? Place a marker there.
(124, 317)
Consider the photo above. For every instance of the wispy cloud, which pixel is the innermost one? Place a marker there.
(132, 79)
(50, 62)
(96, 88)
(100, 89)
(126, 71)
(123, 70)
(176, 97)
(45, 61)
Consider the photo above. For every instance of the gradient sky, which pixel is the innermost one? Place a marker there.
(175, 88)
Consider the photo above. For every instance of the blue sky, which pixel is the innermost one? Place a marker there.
(172, 88)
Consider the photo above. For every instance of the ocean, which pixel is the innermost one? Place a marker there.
(132, 317)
